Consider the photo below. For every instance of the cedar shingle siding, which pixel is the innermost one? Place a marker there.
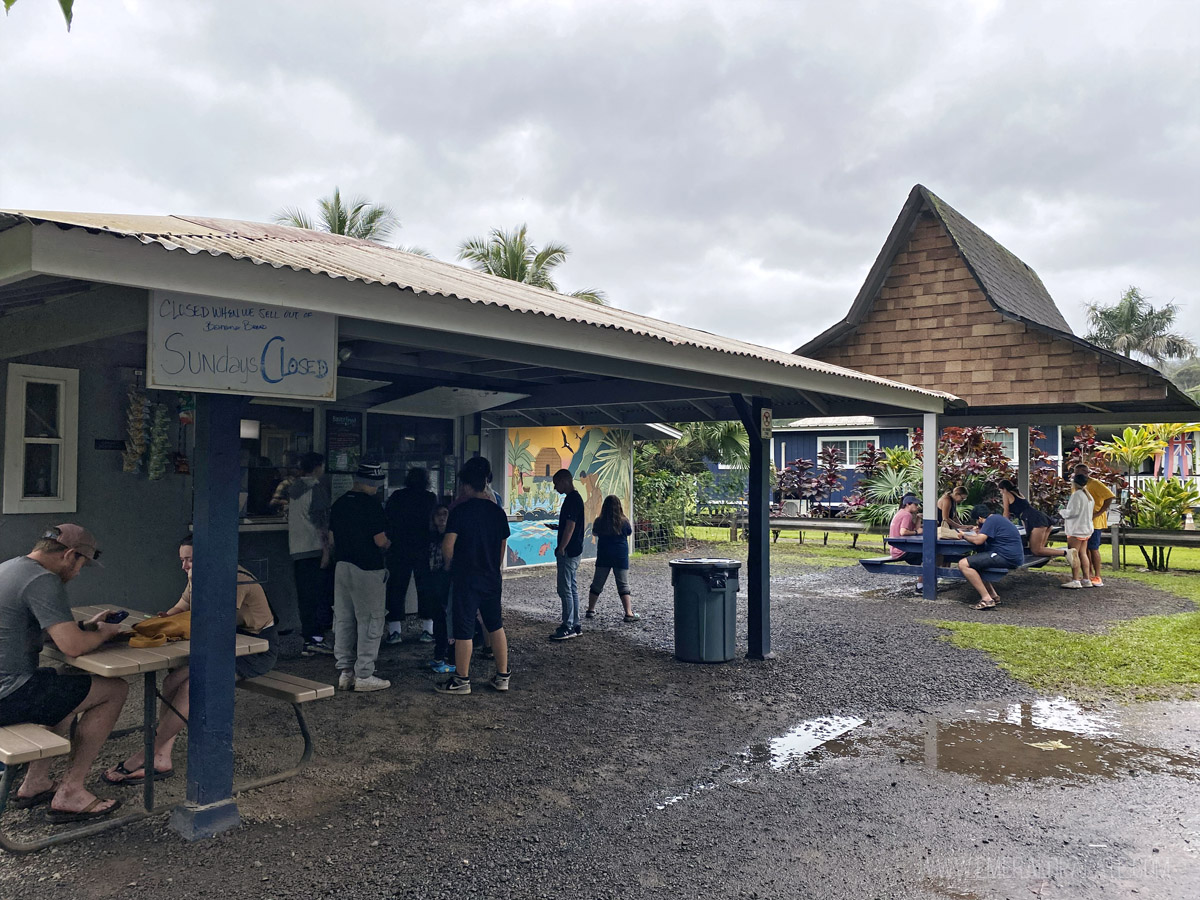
(930, 325)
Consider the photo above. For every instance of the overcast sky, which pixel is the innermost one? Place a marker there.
(732, 166)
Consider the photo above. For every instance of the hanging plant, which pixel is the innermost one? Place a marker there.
(160, 443)
(136, 415)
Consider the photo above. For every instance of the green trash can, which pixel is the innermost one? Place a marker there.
(705, 608)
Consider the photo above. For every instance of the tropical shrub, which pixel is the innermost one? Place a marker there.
(1161, 505)
(827, 481)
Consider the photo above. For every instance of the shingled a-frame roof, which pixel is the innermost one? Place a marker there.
(946, 307)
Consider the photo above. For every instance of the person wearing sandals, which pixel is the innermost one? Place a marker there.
(612, 531)
(1000, 548)
(1036, 522)
(1077, 523)
(34, 603)
(253, 617)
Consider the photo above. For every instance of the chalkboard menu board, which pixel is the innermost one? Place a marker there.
(343, 440)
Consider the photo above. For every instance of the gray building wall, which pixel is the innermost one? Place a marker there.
(137, 522)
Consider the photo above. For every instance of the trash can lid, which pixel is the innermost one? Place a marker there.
(706, 562)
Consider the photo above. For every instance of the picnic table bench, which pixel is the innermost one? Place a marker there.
(887, 565)
(294, 690)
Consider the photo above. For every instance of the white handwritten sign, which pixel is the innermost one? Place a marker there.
(210, 344)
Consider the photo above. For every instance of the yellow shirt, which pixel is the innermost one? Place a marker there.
(253, 611)
(1100, 493)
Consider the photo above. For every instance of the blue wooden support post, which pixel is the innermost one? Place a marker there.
(758, 566)
(929, 498)
(210, 807)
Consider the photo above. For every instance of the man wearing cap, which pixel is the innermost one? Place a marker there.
(33, 600)
(1000, 548)
(360, 540)
(905, 523)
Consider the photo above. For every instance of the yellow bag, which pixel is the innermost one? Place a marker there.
(170, 628)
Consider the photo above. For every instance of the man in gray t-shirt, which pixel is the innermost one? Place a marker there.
(33, 602)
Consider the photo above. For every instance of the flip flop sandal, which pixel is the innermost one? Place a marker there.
(635, 617)
(981, 605)
(131, 779)
(37, 799)
(62, 816)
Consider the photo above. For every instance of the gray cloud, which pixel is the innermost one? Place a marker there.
(733, 167)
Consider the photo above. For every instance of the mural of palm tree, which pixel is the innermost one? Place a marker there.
(612, 464)
(521, 461)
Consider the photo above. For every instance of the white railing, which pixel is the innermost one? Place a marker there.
(1138, 481)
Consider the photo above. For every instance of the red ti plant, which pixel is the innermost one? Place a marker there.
(870, 461)
(827, 481)
(1085, 451)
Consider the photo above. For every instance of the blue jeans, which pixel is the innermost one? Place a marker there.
(568, 590)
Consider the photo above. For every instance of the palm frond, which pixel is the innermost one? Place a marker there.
(293, 216)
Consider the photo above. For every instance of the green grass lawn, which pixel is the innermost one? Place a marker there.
(1151, 657)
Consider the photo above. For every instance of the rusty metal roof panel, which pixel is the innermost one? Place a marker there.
(357, 260)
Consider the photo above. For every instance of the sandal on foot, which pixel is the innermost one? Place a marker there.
(63, 816)
(633, 617)
(991, 604)
(37, 799)
(130, 778)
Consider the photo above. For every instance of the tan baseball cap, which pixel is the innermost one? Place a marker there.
(77, 538)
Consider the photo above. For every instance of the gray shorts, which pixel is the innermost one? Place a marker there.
(620, 576)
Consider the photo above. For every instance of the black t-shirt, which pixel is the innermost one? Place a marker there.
(480, 527)
(355, 519)
(408, 511)
(572, 511)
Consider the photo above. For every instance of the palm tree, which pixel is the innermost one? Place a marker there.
(721, 442)
(359, 219)
(511, 255)
(1132, 326)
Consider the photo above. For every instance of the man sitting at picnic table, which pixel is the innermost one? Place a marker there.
(33, 598)
(1001, 549)
(253, 617)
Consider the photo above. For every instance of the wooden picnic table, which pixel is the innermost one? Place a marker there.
(118, 660)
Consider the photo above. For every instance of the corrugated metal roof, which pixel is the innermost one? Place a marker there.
(826, 422)
(357, 260)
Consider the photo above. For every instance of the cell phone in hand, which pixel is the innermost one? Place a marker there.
(114, 617)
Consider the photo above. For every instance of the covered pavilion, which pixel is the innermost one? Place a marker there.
(404, 332)
(946, 307)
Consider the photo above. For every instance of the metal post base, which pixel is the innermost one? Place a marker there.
(194, 823)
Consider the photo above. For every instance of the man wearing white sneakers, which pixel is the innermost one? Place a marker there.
(359, 581)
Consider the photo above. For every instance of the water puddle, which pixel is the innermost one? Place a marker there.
(1052, 738)
(1047, 738)
(806, 737)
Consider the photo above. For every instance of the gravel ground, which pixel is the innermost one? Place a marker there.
(612, 770)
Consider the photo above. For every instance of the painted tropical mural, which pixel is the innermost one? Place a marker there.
(601, 461)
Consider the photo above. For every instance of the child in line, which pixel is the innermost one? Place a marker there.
(434, 593)
(612, 531)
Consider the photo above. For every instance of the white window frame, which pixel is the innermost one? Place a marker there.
(991, 434)
(67, 380)
(847, 463)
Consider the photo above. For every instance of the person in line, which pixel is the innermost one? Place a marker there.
(254, 617)
(434, 592)
(567, 553)
(360, 577)
(475, 547)
(1102, 499)
(308, 544)
(1036, 522)
(33, 603)
(1001, 549)
(408, 511)
(1077, 523)
(905, 523)
(612, 531)
(947, 507)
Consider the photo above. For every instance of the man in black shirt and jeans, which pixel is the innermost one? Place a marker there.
(474, 549)
(359, 581)
(567, 554)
